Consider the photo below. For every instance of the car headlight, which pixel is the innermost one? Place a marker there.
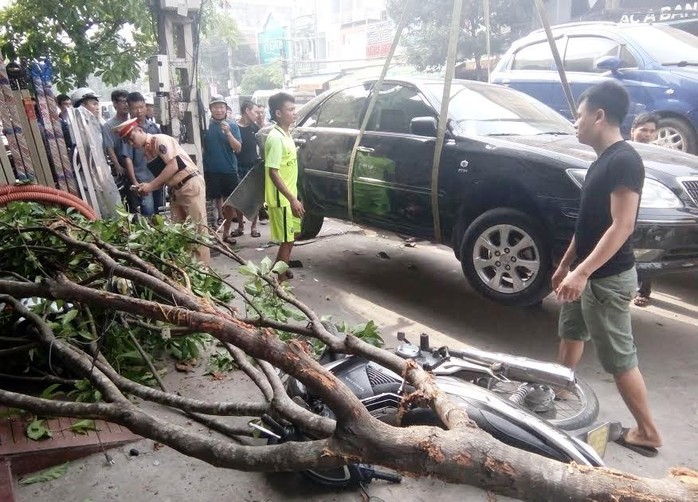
(658, 196)
(655, 195)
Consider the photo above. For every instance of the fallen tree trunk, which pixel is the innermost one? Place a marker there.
(64, 261)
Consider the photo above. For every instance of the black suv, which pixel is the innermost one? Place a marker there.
(508, 183)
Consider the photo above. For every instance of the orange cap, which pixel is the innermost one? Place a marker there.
(125, 128)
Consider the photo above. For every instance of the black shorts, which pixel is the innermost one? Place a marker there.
(243, 170)
(220, 185)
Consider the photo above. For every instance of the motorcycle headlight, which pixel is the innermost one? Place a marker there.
(655, 195)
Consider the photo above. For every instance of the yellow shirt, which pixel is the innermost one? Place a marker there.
(280, 154)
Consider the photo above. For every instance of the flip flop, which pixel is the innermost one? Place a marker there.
(237, 232)
(255, 233)
(647, 451)
(229, 239)
(641, 301)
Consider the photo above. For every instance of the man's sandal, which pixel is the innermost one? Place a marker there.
(641, 301)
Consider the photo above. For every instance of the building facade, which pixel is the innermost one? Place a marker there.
(678, 13)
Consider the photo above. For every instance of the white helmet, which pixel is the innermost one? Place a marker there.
(82, 93)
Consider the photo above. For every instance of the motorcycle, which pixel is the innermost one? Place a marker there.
(522, 402)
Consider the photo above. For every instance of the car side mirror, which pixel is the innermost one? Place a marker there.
(423, 126)
(608, 63)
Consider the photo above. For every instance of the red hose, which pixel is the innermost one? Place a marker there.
(6, 189)
(40, 193)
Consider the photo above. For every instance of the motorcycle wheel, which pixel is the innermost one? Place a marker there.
(571, 409)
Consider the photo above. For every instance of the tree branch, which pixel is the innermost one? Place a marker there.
(253, 373)
(153, 280)
(273, 458)
(47, 337)
(311, 423)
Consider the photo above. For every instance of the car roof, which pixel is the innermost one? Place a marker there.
(595, 27)
(416, 81)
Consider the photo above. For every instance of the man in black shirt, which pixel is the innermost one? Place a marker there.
(596, 278)
(248, 156)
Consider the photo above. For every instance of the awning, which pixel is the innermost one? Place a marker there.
(313, 82)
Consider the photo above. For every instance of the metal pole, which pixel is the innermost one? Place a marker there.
(488, 32)
(443, 115)
(369, 110)
(556, 56)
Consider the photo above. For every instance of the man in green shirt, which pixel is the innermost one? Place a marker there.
(281, 178)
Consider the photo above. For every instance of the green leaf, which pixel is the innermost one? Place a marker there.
(250, 269)
(368, 332)
(36, 430)
(45, 475)
(50, 391)
(280, 267)
(251, 289)
(82, 426)
(72, 314)
(265, 266)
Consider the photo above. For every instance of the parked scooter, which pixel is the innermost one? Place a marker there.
(522, 402)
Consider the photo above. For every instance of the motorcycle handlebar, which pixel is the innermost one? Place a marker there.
(368, 473)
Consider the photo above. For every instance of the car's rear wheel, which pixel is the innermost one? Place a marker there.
(311, 224)
(677, 134)
(506, 258)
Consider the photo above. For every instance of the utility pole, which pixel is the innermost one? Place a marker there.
(172, 72)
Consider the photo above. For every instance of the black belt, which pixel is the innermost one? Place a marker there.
(183, 182)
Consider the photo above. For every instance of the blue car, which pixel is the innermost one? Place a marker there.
(658, 65)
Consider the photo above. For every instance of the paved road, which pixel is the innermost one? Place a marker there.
(418, 289)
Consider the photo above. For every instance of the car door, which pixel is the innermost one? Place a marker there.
(325, 139)
(532, 70)
(392, 169)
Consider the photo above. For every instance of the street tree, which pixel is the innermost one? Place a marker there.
(108, 38)
(425, 39)
(221, 41)
(269, 76)
(102, 289)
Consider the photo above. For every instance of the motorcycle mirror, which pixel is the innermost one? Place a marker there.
(424, 342)
(401, 337)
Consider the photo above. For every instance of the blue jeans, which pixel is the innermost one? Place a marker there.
(151, 203)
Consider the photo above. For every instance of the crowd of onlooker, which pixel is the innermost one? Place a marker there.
(141, 167)
(130, 166)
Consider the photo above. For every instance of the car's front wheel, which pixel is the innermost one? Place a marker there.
(677, 134)
(506, 258)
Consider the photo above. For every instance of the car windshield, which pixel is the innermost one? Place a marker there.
(487, 110)
(667, 45)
